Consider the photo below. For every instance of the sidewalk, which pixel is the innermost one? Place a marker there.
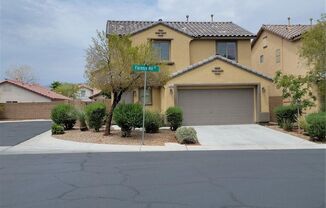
(45, 143)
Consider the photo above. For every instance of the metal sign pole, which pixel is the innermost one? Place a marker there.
(144, 100)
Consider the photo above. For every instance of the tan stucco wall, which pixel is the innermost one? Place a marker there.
(244, 52)
(231, 75)
(179, 51)
(290, 62)
(10, 92)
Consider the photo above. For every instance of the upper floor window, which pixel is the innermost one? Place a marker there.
(82, 93)
(227, 49)
(162, 48)
(261, 59)
(277, 56)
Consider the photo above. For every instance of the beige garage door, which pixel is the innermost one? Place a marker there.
(216, 106)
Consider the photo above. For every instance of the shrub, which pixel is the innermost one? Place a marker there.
(303, 123)
(317, 125)
(94, 114)
(174, 117)
(153, 122)
(287, 125)
(285, 114)
(128, 116)
(65, 115)
(57, 129)
(82, 121)
(186, 135)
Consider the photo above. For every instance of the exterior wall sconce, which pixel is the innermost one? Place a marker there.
(171, 87)
(263, 89)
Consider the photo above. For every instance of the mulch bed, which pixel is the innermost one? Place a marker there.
(157, 139)
(294, 132)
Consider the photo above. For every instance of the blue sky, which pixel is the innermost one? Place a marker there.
(51, 35)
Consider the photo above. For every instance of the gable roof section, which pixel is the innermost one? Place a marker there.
(37, 89)
(291, 33)
(212, 58)
(193, 29)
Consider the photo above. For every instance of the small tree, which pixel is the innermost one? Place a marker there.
(54, 85)
(297, 89)
(313, 50)
(108, 67)
(21, 73)
(67, 89)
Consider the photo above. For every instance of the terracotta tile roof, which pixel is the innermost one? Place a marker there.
(193, 29)
(37, 89)
(292, 32)
(212, 58)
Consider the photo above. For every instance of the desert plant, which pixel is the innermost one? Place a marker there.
(317, 125)
(287, 125)
(174, 117)
(65, 115)
(153, 122)
(57, 129)
(186, 135)
(94, 114)
(82, 121)
(285, 113)
(303, 123)
(128, 116)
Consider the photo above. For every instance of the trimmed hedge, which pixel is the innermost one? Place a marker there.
(153, 121)
(174, 117)
(186, 135)
(94, 114)
(57, 129)
(316, 123)
(286, 114)
(65, 115)
(128, 116)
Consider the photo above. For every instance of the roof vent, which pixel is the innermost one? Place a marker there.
(310, 21)
(212, 17)
(160, 20)
(289, 21)
(187, 16)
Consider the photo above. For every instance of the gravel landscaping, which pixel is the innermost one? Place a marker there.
(157, 139)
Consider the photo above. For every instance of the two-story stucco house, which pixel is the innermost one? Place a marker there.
(276, 47)
(211, 75)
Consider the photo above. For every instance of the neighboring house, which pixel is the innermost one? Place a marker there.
(211, 75)
(277, 48)
(85, 92)
(12, 91)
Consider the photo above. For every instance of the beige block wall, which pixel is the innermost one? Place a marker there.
(231, 75)
(180, 45)
(10, 92)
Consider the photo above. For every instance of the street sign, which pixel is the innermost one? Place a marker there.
(145, 68)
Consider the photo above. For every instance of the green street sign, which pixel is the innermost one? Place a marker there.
(145, 68)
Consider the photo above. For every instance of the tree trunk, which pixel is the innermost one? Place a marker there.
(116, 99)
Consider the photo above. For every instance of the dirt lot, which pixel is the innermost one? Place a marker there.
(90, 136)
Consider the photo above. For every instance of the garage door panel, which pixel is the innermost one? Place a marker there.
(216, 106)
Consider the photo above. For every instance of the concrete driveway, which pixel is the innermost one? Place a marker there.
(13, 133)
(251, 135)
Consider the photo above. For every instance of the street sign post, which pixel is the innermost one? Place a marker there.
(144, 68)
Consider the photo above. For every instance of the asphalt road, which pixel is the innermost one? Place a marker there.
(13, 133)
(228, 179)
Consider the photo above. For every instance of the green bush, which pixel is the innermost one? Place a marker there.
(285, 114)
(317, 125)
(153, 121)
(65, 115)
(94, 114)
(82, 121)
(128, 116)
(287, 125)
(186, 135)
(174, 117)
(57, 129)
